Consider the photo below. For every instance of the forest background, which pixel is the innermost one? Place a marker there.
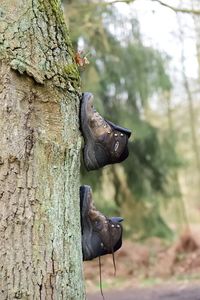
(143, 67)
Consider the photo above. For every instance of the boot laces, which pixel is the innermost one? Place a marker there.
(112, 249)
(100, 278)
(113, 259)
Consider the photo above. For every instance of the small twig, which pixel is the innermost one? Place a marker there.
(118, 1)
(177, 9)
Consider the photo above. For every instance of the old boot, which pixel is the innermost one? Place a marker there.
(100, 235)
(105, 142)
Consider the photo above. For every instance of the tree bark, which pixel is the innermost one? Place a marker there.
(40, 240)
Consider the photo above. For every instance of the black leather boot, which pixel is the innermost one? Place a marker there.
(100, 235)
(105, 142)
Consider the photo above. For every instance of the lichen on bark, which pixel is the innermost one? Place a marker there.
(40, 242)
(35, 39)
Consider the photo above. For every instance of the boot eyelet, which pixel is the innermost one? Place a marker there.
(115, 134)
(118, 226)
(121, 134)
(112, 225)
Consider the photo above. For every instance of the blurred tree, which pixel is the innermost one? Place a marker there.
(191, 109)
(179, 206)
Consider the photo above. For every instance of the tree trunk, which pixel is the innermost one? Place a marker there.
(195, 5)
(40, 240)
(180, 209)
(191, 109)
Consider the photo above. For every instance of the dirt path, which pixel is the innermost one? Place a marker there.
(180, 292)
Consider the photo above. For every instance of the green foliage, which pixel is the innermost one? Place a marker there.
(154, 225)
(124, 77)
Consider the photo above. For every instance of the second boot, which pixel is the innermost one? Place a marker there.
(100, 235)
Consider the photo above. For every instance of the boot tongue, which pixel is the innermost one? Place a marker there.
(116, 219)
(120, 129)
(114, 234)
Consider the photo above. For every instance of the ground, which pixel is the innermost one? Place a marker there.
(178, 292)
(152, 270)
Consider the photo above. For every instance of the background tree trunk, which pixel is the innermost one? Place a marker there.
(179, 205)
(40, 241)
(191, 109)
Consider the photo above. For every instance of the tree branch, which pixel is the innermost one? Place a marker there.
(177, 9)
(118, 1)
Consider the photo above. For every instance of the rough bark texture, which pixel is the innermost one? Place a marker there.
(40, 248)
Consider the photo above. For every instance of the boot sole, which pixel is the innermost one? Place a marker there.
(88, 151)
(85, 222)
